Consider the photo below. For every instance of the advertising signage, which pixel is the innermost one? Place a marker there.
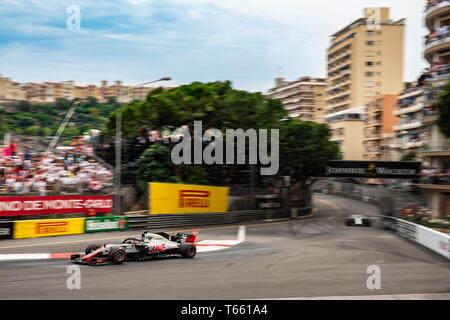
(6, 229)
(371, 169)
(168, 198)
(101, 224)
(18, 206)
(47, 227)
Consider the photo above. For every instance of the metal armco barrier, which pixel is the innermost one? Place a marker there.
(205, 219)
(432, 239)
(6, 229)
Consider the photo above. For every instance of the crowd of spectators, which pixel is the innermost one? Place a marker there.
(70, 171)
(438, 34)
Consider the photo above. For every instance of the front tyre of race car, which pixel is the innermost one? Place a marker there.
(188, 250)
(117, 255)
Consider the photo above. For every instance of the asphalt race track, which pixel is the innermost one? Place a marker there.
(317, 256)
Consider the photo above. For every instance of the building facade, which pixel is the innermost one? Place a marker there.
(379, 127)
(49, 92)
(410, 132)
(304, 98)
(436, 151)
(365, 60)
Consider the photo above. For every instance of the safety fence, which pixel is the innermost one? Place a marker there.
(429, 238)
(19, 229)
(390, 202)
(205, 219)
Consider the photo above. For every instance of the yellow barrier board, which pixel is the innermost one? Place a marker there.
(47, 227)
(168, 198)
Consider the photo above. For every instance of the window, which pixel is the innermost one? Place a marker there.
(369, 63)
(369, 74)
(369, 43)
(379, 63)
(369, 84)
(379, 53)
(370, 33)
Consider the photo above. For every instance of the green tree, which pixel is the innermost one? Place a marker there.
(62, 103)
(443, 105)
(32, 130)
(193, 174)
(155, 166)
(216, 104)
(305, 147)
(410, 156)
(24, 106)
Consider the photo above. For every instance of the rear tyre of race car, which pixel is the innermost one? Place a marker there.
(117, 255)
(91, 248)
(188, 250)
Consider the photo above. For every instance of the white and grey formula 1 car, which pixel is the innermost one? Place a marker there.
(357, 220)
(150, 245)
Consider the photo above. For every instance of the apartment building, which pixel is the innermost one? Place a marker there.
(436, 150)
(379, 127)
(50, 91)
(410, 132)
(304, 98)
(10, 90)
(365, 60)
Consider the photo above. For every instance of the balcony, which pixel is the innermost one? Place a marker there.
(435, 181)
(338, 94)
(442, 44)
(414, 108)
(434, 11)
(373, 123)
(430, 115)
(409, 125)
(410, 92)
(413, 145)
(436, 148)
(372, 137)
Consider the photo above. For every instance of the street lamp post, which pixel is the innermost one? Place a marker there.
(118, 168)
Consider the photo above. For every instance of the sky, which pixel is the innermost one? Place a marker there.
(249, 42)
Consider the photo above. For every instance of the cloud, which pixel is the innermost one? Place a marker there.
(246, 41)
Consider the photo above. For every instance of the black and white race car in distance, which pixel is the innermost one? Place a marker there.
(357, 220)
(149, 246)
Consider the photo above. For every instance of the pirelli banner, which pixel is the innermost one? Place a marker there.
(19, 206)
(170, 198)
(47, 227)
(371, 169)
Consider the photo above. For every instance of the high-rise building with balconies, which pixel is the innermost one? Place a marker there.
(365, 60)
(379, 127)
(437, 20)
(436, 151)
(303, 98)
(410, 133)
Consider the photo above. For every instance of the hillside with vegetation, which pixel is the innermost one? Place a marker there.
(40, 121)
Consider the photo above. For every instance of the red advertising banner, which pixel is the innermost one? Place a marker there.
(19, 206)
